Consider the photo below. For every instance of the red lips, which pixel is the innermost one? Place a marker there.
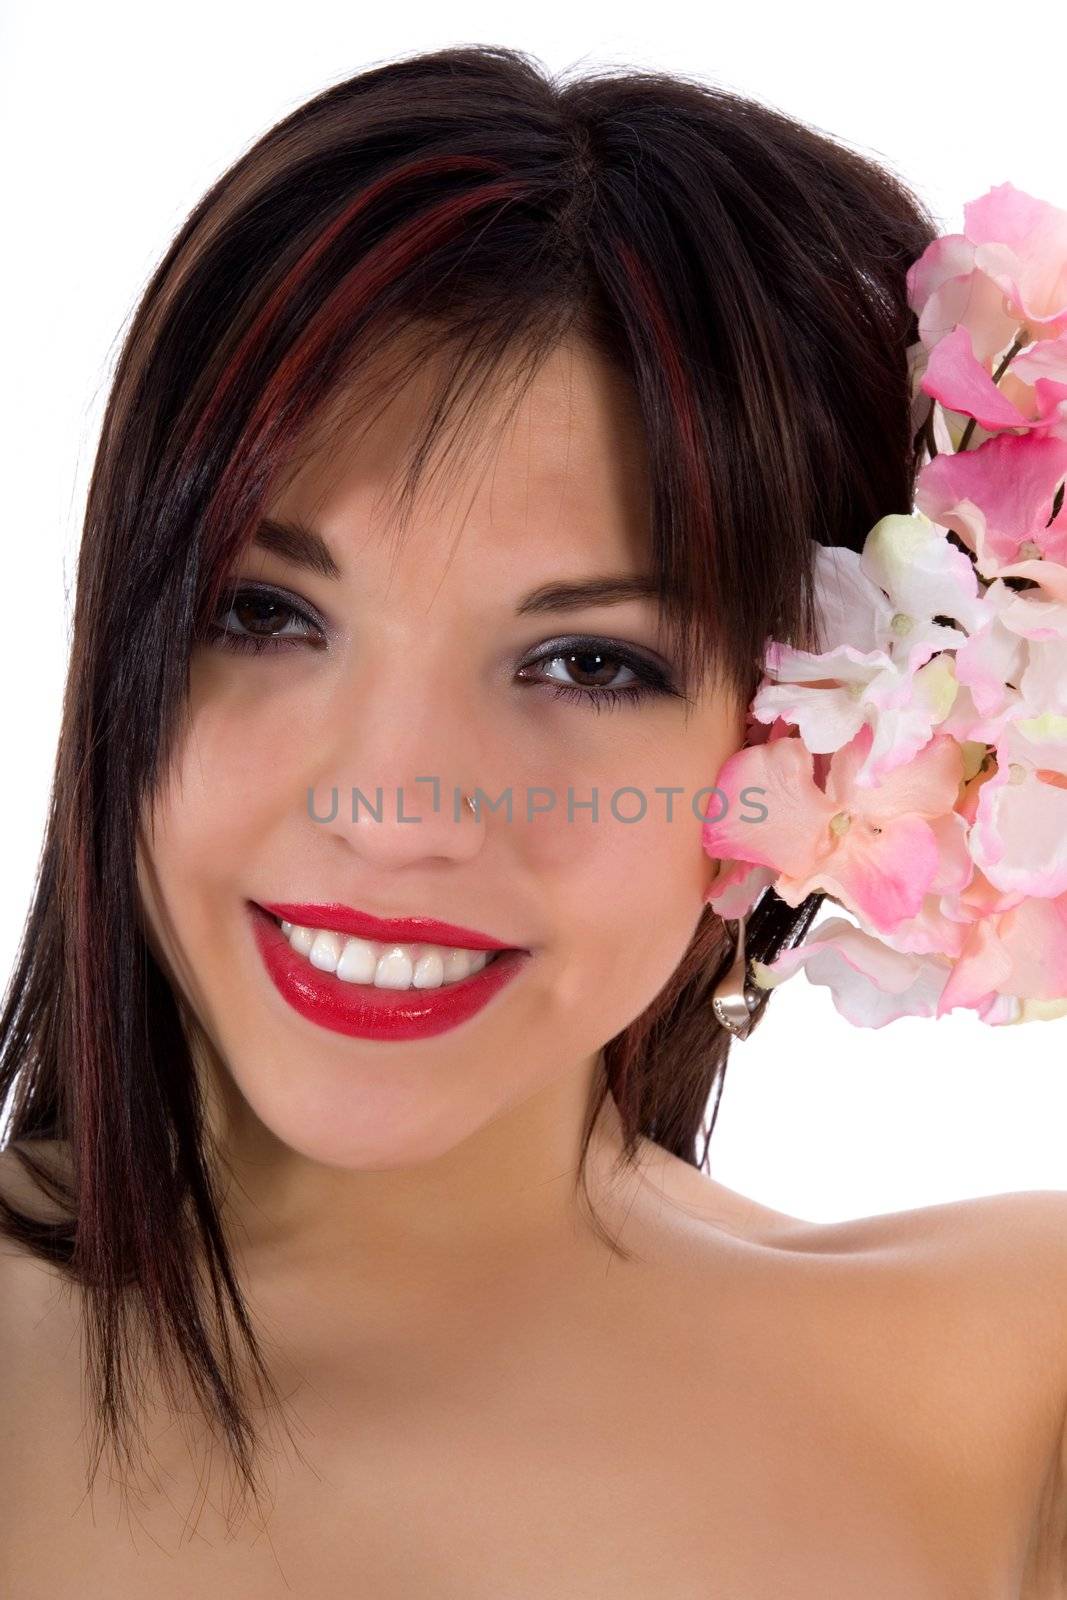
(400, 930)
(362, 1010)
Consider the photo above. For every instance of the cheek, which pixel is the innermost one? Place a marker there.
(642, 843)
(197, 821)
(237, 756)
(203, 823)
(627, 899)
(628, 896)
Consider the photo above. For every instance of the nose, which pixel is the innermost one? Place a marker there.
(390, 824)
(389, 790)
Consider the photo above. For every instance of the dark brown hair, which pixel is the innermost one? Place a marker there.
(745, 272)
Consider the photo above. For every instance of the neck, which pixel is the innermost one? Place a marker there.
(507, 1192)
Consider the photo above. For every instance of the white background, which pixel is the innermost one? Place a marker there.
(114, 118)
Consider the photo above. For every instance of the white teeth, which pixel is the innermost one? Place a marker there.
(459, 963)
(394, 970)
(429, 972)
(358, 961)
(385, 966)
(325, 951)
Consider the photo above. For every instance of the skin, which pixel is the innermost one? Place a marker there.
(408, 1160)
(489, 1402)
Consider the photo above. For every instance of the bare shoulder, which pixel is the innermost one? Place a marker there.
(29, 1286)
(942, 1331)
(22, 1188)
(1002, 1257)
(1006, 1257)
(974, 1287)
(40, 1359)
(973, 1293)
(982, 1282)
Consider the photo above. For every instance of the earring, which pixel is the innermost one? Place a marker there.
(734, 998)
(473, 806)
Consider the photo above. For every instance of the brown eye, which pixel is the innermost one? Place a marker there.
(594, 669)
(260, 616)
(597, 667)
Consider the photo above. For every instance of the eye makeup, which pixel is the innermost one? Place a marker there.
(277, 611)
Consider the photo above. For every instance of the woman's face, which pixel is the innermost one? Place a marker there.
(418, 660)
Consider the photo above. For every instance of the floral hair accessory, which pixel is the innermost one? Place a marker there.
(913, 770)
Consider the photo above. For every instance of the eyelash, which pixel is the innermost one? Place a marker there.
(652, 682)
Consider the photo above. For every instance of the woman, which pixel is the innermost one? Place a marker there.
(361, 1039)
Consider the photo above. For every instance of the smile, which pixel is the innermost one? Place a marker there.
(373, 990)
(385, 965)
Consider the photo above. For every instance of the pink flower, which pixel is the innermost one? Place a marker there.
(1018, 954)
(887, 603)
(1021, 244)
(937, 928)
(871, 847)
(1019, 834)
(913, 766)
(1031, 394)
(870, 983)
(999, 498)
(1006, 270)
(737, 887)
(1021, 952)
(946, 289)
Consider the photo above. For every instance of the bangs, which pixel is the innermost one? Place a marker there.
(476, 373)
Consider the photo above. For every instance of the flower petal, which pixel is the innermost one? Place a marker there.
(1019, 835)
(793, 833)
(881, 876)
(1021, 243)
(926, 787)
(958, 379)
(826, 717)
(921, 570)
(870, 984)
(998, 498)
(736, 888)
(851, 605)
(978, 971)
(902, 712)
(1034, 935)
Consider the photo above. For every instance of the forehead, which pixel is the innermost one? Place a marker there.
(547, 463)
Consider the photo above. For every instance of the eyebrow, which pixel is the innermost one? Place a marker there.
(302, 546)
(600, 591)
(298, 544)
